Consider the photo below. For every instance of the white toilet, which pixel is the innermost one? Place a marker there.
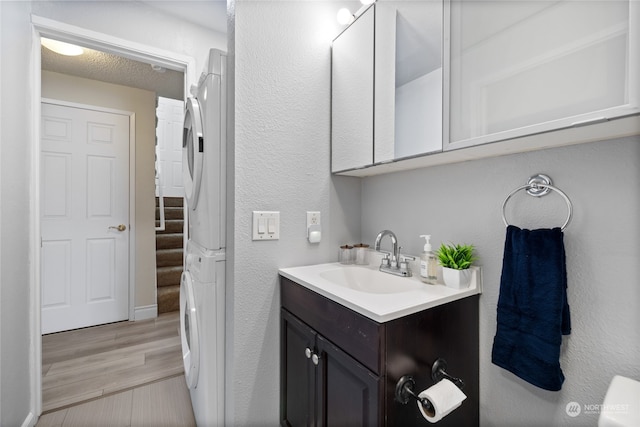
(621, 406)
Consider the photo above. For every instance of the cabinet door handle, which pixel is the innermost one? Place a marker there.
(307, 352)
(315, 359)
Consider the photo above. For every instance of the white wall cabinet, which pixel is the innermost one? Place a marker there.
(515, 76)
(391, 54)
(522, 68)
(352, 95)
(408, 79)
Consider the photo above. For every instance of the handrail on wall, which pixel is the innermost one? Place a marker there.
(160, 203)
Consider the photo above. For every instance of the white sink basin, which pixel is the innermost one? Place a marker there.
(379, 296)
(370, 281)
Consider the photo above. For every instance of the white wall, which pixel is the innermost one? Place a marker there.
(281, 156)
(14, 228)
(127, 20)
(462, 203)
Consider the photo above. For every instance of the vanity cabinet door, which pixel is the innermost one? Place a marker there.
(347, 392)
(352, 95)
(297, 372)
(320, 384)
(524, 68)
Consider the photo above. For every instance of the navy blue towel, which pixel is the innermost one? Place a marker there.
(533, 312)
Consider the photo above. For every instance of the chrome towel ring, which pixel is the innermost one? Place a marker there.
(538, 186)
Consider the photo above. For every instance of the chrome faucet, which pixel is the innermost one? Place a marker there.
(393, 262)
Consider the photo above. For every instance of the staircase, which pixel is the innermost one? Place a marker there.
(169, 254)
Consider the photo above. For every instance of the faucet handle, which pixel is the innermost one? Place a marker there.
(385, 259)
(404, 257)
(404, 267)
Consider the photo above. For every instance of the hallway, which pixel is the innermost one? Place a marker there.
(133, 369)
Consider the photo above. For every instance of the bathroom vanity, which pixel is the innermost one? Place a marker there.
(340, 367)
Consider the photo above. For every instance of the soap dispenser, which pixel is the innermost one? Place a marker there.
(428, 263)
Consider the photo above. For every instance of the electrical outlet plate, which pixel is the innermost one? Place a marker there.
(313, 218)
(314, 229)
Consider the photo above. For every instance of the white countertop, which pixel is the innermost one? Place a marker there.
(411, 297)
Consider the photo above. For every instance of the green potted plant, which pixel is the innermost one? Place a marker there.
(455, 261)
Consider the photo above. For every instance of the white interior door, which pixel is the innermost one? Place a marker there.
(170, 114)
(84, 217)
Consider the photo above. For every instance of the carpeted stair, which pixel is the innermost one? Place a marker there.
(169, 254)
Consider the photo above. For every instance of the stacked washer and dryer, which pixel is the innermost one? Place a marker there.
(202, 287)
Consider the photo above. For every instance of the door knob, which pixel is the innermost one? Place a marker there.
(120, 227)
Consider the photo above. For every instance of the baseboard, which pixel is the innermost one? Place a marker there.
(145, 312)
(30, 420)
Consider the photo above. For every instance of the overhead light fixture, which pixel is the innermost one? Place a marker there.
(158, 68)
(345, 16)
(62, 48)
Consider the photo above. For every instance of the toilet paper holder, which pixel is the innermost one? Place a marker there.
(439, 371)
(405, 385)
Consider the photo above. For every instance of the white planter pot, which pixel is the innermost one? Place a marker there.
(456, 278)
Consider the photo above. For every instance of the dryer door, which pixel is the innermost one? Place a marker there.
(192, 151)
(189, 330)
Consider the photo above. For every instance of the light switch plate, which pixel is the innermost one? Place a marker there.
(266, 225)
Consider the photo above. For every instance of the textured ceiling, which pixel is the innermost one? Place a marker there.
(109, 68)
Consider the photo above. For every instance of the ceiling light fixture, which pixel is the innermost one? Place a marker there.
(62, 48)
(345, 16)
(157, 68)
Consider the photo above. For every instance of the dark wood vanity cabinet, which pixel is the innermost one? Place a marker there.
(340, 368)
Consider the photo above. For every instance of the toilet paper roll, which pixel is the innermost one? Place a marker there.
(444, 396)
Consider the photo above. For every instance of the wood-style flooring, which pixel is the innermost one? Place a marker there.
(131, 371)
(162, 403)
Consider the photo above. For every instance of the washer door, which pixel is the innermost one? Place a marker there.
(192, 151)
(189, 330)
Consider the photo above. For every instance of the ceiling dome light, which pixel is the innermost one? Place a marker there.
(62, 48)
(345, 16)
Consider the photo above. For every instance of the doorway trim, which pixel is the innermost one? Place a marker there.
(44, 27)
